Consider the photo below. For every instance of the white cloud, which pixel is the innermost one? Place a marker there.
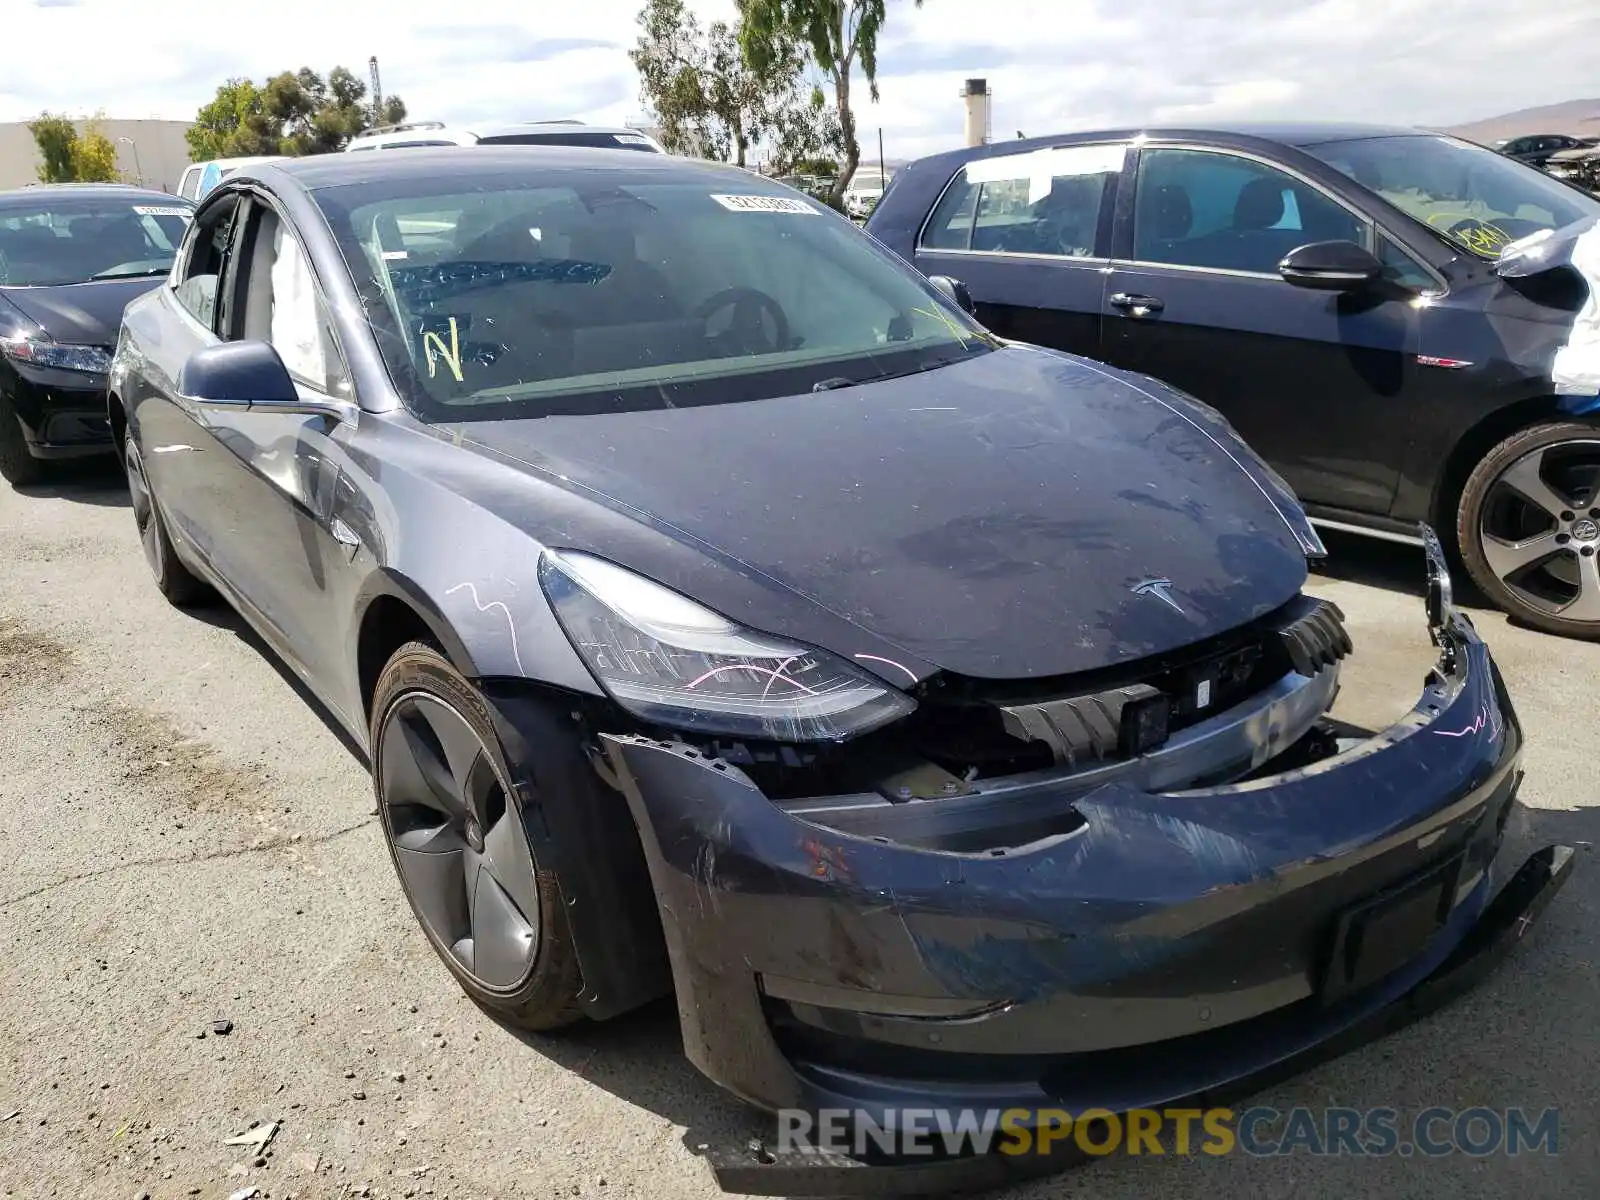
(1052, 64)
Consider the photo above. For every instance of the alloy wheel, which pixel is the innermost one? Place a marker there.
(1539, 529)
(458, 841)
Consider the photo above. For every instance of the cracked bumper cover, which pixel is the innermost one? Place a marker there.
(1153, 947)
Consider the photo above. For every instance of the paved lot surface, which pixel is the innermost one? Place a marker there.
(185, 841)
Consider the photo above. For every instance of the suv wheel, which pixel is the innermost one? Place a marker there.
(1529, 528)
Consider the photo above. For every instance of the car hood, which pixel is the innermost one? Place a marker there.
(81, 313)
(1017, 515)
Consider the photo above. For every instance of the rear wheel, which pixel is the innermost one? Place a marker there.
(17, 465)
(455, 831)
(174, 579)
(1529, 527)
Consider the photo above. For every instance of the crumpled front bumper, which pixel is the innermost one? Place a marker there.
(1140, 948)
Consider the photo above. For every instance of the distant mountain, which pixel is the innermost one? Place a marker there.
(1577, 117)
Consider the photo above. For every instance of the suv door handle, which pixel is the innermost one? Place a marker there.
(1136, 305)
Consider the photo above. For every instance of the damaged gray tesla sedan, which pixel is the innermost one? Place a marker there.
(724, 611)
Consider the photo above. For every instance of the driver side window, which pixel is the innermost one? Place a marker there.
(202, 263)
(281, 305)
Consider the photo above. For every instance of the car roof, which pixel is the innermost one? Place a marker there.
(34, 193)
(1238, 133)
(551, 127)
(456, 164)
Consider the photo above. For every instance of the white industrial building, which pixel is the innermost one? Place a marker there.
(150, 152)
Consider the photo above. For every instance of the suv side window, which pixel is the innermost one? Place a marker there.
(1042, 202)
(201, 264)
(279, 303)
(1203, 208)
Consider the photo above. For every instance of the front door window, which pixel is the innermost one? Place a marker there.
(1200, 208)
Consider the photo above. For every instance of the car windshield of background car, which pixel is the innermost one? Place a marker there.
(74, 241)
(1475, 199)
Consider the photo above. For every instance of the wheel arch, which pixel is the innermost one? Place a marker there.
(1470, 448)
(394, 610)
(117, 415)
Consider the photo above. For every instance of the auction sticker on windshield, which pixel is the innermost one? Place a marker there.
(768, 204)
(161, 210)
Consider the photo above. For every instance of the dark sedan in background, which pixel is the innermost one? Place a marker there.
(1333, 292)
(1535, 149)
(71, 257)
(723, 610)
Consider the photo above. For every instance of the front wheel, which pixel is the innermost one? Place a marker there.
(455, 830)
(1529, 528)
(18, 466)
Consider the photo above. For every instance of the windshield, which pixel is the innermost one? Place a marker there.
(60, 241)
(1475, 199)
(602, 293)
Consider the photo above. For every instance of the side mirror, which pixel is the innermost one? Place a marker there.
(1331, 267)
(954, 291)
(250, 377)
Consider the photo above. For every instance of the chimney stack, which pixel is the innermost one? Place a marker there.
(976, 95)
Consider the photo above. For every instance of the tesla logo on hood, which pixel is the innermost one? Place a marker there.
(1157, 588)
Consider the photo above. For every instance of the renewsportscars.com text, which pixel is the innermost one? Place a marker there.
(1260, 1131)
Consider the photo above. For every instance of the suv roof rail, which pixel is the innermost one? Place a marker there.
(561, 121)
(402, 127)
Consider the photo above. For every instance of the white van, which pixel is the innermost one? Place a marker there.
(201, 177)
(527, 133)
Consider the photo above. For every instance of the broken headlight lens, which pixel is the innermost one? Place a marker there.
(671, 661)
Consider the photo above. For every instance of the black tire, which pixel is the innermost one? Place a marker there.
(419, 694)
(1528, 527)
(174, 580)
(18, 466)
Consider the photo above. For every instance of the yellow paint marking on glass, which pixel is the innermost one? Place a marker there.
(949, 322)
(433, 346)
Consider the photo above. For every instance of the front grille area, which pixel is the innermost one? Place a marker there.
(966, 730)
(1135, 708)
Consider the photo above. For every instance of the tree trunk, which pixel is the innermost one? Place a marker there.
(847, 126)
(739, 146)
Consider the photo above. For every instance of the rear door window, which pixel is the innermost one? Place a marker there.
(1050, 202)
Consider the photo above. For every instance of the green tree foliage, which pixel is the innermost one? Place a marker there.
(707, 97)
(295, 112)
(838, 34)
(68, 156)
(94, 156)
(55, 136)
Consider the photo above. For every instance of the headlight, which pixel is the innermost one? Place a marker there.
(41, 353)
(670, 661)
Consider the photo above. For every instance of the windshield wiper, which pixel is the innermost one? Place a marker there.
(146, 274)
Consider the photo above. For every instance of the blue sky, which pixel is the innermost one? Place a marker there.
(1051, 65)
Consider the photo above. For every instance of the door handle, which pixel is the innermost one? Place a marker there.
(1136, 305)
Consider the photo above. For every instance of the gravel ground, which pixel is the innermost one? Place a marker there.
(189, 842)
